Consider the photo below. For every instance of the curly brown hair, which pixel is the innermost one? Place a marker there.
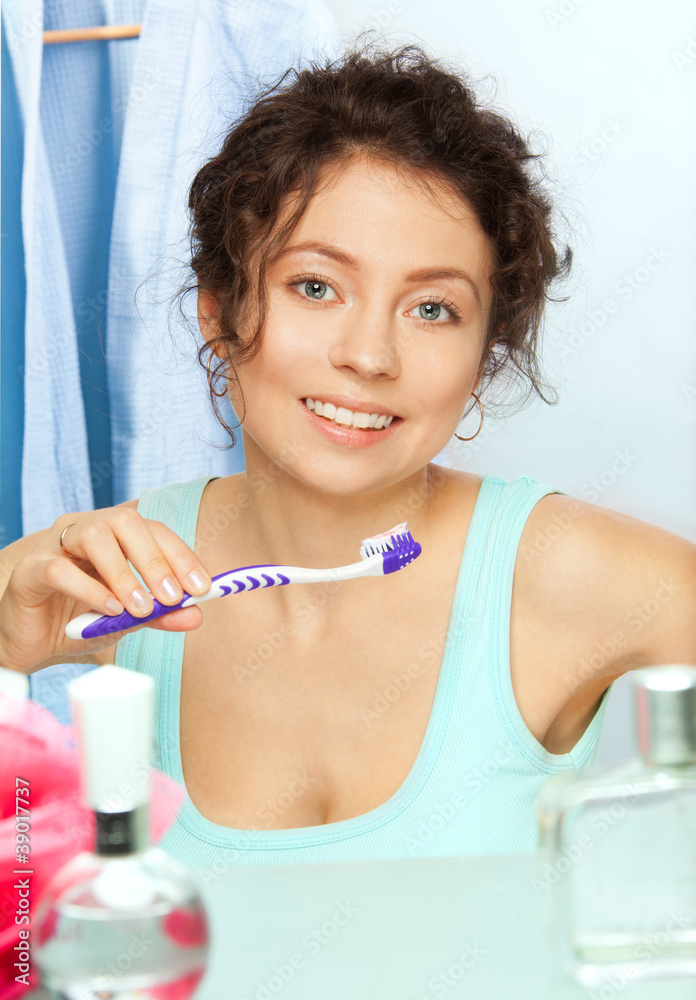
(413, 110)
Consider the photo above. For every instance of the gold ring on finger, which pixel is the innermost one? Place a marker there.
(62, 536)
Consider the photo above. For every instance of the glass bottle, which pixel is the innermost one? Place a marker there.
(616, 876)
(125, 920)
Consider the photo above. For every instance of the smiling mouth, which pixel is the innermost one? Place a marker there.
(352, 419)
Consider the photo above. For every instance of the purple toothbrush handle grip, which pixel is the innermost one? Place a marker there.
(117, 623)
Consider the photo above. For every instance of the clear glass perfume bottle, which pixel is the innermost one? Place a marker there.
(126, 920)
(616, 878)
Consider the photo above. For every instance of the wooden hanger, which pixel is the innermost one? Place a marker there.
(106, 33)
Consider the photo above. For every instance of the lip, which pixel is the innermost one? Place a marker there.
(354, 437)
(361, 405)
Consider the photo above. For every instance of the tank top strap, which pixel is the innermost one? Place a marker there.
(176, 506)
(513, 502)
(500, 513)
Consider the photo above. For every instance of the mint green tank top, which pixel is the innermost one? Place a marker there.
(473, 786)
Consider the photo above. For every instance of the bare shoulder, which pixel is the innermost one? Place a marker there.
(625, 587)
(452, 486)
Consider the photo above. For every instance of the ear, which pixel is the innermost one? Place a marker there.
(207, 314)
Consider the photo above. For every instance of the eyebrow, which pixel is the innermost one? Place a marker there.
(343, 257)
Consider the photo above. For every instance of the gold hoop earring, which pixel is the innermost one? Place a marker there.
(480, 425)
(214, 391)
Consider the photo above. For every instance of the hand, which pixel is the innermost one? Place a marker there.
(51, 585)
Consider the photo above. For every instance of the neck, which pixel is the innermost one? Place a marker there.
(283, 520)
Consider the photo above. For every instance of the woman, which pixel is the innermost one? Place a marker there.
(371, 252)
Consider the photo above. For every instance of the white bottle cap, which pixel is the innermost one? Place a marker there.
(666, 713)
(112, 712)
(13, 683)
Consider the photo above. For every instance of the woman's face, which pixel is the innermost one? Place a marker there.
(363, 319)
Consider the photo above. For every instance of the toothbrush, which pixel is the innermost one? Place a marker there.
(380, 555)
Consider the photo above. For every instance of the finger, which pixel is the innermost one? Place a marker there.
(96, 543)
(109, 544)
(181, 559)
(36, 578)
(181, 620)
(186, 567)
(160, 555)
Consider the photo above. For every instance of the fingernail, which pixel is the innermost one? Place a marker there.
(171, 588)
(197, 580)
(114, 606)
(141, 600)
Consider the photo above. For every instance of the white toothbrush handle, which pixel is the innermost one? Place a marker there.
(261, 577)
(93, 624)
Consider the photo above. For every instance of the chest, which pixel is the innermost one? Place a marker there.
(311, 716)
(309, 705)
(307, 717)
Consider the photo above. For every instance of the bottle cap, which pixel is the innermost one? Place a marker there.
(13, 683)
(666, 713)
(112, 711)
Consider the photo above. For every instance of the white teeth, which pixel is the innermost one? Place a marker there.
(347, 418)
(343, 416)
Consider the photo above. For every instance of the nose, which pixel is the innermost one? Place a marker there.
(367, 346)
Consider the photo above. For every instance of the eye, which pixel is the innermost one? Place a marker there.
(312, 286)
(315, 288)
(431, 311)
